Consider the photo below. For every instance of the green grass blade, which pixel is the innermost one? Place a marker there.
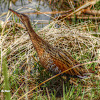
(6, 80)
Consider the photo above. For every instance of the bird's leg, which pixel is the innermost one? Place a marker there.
(65, 78)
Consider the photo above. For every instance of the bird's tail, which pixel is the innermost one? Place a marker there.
(86, 73)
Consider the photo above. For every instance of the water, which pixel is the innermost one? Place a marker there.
(35, 4)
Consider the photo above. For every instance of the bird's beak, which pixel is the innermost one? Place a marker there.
(16, 13)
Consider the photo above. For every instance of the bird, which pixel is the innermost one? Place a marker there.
(51, 58)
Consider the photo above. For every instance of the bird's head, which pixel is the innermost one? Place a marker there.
(24, 19)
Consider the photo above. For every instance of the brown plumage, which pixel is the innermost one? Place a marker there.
(51, 58)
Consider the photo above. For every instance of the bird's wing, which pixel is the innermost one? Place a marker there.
(65, 61)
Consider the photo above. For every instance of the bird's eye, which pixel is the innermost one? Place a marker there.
(21, 17)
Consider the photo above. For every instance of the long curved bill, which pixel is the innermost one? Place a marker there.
(16, 13)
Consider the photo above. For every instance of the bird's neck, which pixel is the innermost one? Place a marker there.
(37, 41)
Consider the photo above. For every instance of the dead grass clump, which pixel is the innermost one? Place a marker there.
(78, 39)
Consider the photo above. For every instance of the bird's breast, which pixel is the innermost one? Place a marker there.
(47, 62)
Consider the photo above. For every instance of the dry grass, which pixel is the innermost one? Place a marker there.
(23, 64)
